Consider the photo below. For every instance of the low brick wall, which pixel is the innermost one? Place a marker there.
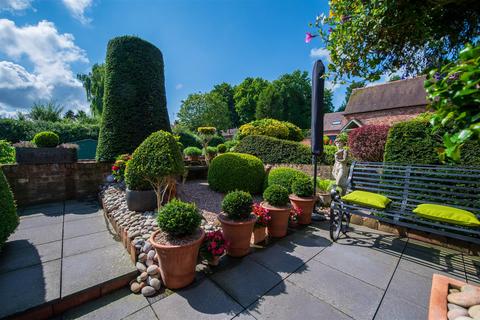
(323, 171)
(39, 183)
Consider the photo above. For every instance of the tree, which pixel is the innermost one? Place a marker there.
(246, 97)
(328, 101)
(49, 111)
(369, 38)
(93, 82)
(69, 115)
(227, 91)
(134, 101)
(204, 110)
(348, 92)
(270, 103)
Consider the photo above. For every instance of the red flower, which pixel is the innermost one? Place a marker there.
(115, 168)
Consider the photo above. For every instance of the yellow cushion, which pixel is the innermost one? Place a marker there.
(368, 199)
(447, 214)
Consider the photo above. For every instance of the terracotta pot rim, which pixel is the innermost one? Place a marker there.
(267, 205)
(304, 199)
(224, 219)
(163, 246)
(323, 193)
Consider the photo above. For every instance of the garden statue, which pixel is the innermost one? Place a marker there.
(340, 170)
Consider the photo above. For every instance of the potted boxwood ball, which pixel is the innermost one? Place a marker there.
(237, 222)
(177, 242)
(302, 198)
(192, 153)
(276, 201)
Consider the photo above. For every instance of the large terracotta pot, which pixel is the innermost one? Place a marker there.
(259, 234)
(278, 224)
(238, 234)
(305, 204)
(177, 263)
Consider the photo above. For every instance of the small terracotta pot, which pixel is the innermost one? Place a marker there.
(258, 235)
(177, 263)
(238, 234)
(214, 261)
(305, 204)
(278, 224)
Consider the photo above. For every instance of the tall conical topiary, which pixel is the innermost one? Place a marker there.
(8, 210)
(134, 99)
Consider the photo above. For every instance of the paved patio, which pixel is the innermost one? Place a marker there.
(59, 250)
(370, 275)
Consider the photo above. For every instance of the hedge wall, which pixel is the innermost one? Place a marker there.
(8, 210)
(14, 130)
(134, 99)
(470, 153)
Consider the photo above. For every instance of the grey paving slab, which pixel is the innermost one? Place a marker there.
(90, 268)
(304, 244)
(142, 314)
(39, 221)
(77, 210)
(202, 300)
(49, 209)
(88, 242)
(472, 268)
(117, 305)
(292, 302)
(19, 254)
(246, 281)
(411, 287)
(29, 287)
(348, 294)
(245, 315)
(397, 308)
(83, 227)
(39, 235)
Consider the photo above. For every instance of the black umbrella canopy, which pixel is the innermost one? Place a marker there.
(318, 84)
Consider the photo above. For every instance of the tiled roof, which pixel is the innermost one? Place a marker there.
(333, 121)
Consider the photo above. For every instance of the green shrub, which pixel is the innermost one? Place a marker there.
(272, 150)
(325, 185)
(237, 205)
(221, 148)
(470, 153)
(7, 152)
(46, 139)
(328, 156)
(216, 140)
(187, 138)
(285, 177)
(412, 142)
(179, 218)
(192, 152)
(134, 98)
(231, 144)
(276, 195)
(302, 187)
(154, 160)
(8, 211)
(235, 171)
(271, 128)
(210, 151)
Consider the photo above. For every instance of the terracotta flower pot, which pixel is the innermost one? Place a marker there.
(278, 224)
(214, 261)
(177, 263)
(238, 234)
(305, 204)
(258, 235)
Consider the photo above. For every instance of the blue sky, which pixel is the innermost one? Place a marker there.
(44, 43)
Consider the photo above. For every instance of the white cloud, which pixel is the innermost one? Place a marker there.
(15, 5)
(331, 85)
(179, 86)
(320, 53)
(77, 9)
(50, 55)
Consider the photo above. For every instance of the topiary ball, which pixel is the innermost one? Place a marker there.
(192, 151)
(210, 151)
(221, 148)
(302, 187)
(284, 177)
(237, 205)
(46, 139)
(236, 171)
(8, 210)
(179, 218)
(276, 195)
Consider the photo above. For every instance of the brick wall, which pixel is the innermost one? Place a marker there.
(38, 183)
(388, 117)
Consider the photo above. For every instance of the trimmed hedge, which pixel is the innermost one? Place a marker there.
(8, 211)
(276, 195)
(14, 130)
(412, 142)
(188, 139)
(46, 139)
(285, 177)
(271, 128)
(134, 100)
(367, 143)
(235, 171)
(470, 153)
(7, 152)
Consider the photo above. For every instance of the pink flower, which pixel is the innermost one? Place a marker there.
(309, 37)
(213, 244)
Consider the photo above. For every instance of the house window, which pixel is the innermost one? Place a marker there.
(336, 122)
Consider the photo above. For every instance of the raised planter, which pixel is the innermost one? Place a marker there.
(278, 224)
(305, 205)
(141, 200)
(45, 155)
(238, 234)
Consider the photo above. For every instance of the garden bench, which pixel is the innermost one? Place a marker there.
(408, 186)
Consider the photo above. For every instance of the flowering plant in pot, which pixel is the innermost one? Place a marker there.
(177, 243)
(302, 199)
(276, 201)
(263, 217)
(324, 191)
(237, 222)
(118, 168)
(192, 153)
(214, 246)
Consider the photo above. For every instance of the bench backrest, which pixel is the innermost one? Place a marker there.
(410, 185)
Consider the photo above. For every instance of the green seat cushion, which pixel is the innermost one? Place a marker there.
(368, 199)
(447, 214)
